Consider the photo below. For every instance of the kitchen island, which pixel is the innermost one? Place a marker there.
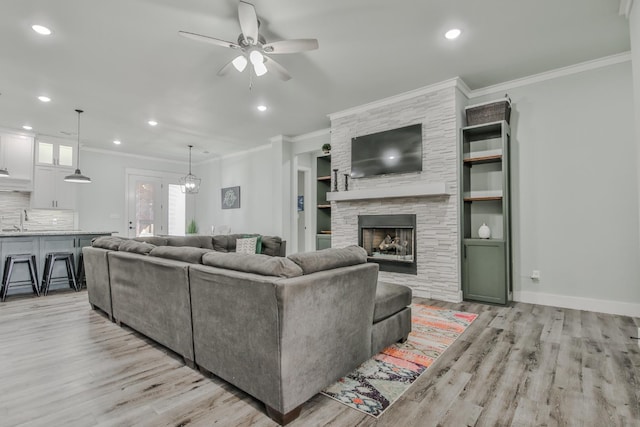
(40, 243)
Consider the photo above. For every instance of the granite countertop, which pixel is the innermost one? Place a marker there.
(34, 233)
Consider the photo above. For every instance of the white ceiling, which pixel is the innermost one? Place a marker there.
(123, 62)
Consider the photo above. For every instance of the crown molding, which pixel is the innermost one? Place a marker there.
(625, 8)
(553, 74)
(451, 83)
(310, 135)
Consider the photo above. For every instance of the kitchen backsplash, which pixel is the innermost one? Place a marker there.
(12, 203)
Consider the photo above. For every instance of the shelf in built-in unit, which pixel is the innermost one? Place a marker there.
(328, 206)
(423, 190)
(324, 178)
(484, 159)
(482, 196)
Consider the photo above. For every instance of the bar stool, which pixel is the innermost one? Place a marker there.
(10, 262)
(80, 276)
(47, 275)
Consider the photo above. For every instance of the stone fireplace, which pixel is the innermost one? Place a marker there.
(429, 261)
(389, 241)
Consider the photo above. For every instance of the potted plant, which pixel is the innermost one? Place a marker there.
(326, 148)
(192, 228)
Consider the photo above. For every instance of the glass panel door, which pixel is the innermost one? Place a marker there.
(145, 206)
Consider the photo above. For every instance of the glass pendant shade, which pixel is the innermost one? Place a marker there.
(77, 176)
(190, 184)
(4, 173)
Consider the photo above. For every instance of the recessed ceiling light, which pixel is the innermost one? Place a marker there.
(453, 33)
(262, 108)
(117, 142)
(27, 127)
(44, 98)
(152, 123)
(41, 30)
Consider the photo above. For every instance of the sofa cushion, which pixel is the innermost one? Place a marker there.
(186, 254)
(271, 245)
(141, 248)
(247, 245)
(154, 240)
(107, 242)
(390, 299)
(253, 263)
(193, 241)
(326, 259)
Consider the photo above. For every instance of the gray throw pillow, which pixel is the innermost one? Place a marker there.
(271, 245)
(326, 259)
(253, 263)
(141, 248)
(107, 242)
(186, 254)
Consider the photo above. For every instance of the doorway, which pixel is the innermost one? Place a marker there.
(144, 206)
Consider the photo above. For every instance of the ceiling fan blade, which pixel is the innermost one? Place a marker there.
(291, 46)
(277, 69)
(248, 22)
(225, 70)
(207, 39)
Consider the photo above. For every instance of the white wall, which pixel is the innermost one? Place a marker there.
(102, 204)
(634, 33)
(575, 191)
(253, 172)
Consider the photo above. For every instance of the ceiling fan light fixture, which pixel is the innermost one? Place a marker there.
(240, 63)
(260, 69)
(256, 57)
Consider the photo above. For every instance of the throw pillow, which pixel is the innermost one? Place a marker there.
(258, 243)
(183, 253)
(247, 245)
(107, 242)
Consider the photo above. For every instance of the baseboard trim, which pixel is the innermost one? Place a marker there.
(578, 303)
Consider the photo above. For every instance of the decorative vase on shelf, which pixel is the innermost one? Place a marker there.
(484, 232)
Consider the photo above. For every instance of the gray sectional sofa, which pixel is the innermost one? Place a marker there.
(281, 329)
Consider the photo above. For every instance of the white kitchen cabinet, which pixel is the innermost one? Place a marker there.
(16, 154)
(51, 191)
(54, 152)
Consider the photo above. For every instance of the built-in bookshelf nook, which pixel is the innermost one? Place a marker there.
(486, 272)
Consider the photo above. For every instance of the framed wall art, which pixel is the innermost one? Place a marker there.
(230, 198)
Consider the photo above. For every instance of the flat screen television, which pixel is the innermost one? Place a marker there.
(392, 151)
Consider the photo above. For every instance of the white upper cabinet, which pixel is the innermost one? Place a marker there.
(16, 155)
(55, 153)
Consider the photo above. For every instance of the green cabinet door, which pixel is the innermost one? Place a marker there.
(484, 271)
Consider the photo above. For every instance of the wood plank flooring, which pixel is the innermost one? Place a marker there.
(63, 364)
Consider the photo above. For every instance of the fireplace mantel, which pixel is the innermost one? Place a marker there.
(422, 190)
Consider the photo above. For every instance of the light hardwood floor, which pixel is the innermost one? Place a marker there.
(63, 364)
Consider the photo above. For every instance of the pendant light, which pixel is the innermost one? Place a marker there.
(77, 176)
(190, 184)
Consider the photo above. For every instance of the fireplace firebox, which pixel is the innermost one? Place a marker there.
(390, 241)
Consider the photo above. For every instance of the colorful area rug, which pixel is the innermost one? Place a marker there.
(381, 380)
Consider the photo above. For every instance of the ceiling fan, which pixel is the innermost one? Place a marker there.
(253, 47)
